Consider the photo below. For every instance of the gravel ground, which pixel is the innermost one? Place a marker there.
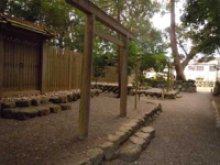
(185, 133)
(53, 139)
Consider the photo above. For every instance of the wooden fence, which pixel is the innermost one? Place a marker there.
(110, 76)
(63, 69)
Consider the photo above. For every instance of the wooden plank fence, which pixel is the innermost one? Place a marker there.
(63, 69)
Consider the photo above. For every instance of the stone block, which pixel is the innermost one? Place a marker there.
(19, 114)
(124, 136)
(134, 124)
(43, 111)
(116, 139)
(147, 115)
(149, 130)
(143, 135)
(96, 156)
(65, 107)
(35, 102)
(70, 98)
(24, 114)
(6, 113)
(23, 103)
(126, 129)
(58, 99)
(44, 100)
(109, 149)
(8, 105)
(137, 141)
(130, 152)
(55, 108)
(84, 162)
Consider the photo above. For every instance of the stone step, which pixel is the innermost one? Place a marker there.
(31, 112)
(127, 143)
(137, 143)
(56, 98)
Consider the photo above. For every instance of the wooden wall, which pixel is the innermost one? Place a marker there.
(62, 69)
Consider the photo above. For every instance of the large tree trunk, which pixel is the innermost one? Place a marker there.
(175, 53)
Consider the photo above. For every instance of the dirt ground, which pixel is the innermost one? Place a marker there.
(52, 139)
(186, 133)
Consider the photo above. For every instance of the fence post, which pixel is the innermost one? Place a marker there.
(43, 67)
(86, 78)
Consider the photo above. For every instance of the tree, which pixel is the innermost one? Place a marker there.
(60, 17)
(175, 53)
(202, 17)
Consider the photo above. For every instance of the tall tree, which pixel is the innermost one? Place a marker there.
(175, 53)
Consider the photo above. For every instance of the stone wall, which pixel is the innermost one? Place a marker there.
(185, 86)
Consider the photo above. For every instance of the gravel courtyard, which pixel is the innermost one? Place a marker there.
(185, 134)
(53, 139)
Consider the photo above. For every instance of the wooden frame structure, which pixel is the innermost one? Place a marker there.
(21, 56)
(94, 13)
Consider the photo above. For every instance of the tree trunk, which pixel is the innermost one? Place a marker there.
(175, 53)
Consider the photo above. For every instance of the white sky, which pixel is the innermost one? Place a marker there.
(161, 22)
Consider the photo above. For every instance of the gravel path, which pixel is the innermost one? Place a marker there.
(52, 139)
(185, 134)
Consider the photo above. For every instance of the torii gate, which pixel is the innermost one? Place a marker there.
(94, 13)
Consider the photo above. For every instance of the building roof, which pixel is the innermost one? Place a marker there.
(25, 25)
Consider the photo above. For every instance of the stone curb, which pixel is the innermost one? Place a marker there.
(127, 133)
(18, 109)
(132, 150)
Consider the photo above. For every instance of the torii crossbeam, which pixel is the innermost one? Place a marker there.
(94, 13)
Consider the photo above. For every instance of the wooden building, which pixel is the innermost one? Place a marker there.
(21, 56)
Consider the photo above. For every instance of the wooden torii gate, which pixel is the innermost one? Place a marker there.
(94, 13)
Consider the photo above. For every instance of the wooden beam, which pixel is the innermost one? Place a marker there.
(86, 78)
(1, 63)
(89, 8)
(108, 37)
(124, 77)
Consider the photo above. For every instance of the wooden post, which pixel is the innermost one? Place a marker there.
(1, 63)
(124, 77)
(86, 78)
(43, 67)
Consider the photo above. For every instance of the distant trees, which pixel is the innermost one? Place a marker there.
(135, 15)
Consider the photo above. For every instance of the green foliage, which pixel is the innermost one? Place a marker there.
(137, 56)
(60, 17)
(103, 55)
(203, 16)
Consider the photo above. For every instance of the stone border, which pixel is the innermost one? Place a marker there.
(110, 149)
(26, 108)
